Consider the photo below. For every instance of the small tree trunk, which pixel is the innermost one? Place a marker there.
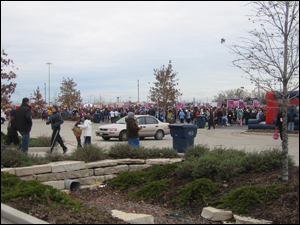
(285, 141)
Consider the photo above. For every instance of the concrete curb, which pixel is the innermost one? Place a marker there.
(269, 134)
(18, 217)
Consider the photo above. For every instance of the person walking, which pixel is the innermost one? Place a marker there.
(181, 116)
(24, 123)
(211, 118)
(77, 132)
(56, 120)
(132, 130)
(291, 119)
(87, 129)
(12, 133)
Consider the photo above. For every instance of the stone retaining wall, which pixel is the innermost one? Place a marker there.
(54, 173)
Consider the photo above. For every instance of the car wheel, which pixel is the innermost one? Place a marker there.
(159, 135)
(2, 121)
(106, 138)
(123, 136)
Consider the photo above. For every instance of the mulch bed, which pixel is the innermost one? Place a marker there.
(282, 209)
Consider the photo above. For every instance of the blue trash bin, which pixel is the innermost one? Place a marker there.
(201, 121)
(183, 136)
(97, 118)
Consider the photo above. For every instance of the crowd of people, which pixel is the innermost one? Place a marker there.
(20, 119)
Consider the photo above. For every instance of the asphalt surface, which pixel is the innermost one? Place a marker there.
(227, 137)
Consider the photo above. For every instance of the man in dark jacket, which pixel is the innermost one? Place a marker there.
(291, 119)
(132, 130)
(219, 115)
(246, 116)
(211, 118)
(56, 120)
(151, 111)
(24, 123)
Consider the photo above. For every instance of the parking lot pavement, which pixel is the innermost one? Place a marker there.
(226, 137)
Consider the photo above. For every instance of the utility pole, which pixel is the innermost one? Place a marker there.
(138, 91)
(49, 63)
(45, 93)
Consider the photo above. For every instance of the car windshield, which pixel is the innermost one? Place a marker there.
(121, 121)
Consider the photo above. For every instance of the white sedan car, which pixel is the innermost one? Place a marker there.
(152, 127)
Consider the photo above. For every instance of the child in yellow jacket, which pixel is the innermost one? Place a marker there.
(77, 132)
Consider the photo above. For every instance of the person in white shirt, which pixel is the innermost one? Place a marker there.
(112, 116)
(116, 115)
(87, 130)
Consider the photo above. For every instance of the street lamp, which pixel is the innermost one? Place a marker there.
(49, 63)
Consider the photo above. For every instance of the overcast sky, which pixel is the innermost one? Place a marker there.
(107, 46)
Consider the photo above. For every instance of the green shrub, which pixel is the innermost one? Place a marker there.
(151, 190)
(89, 153)
(241, 198)
(155, 152)
(224, 153)
(55, 156)
(13, 157)
(37, 160)
(122, 151)
(229, 168)
(265, 160)
(206, 166)
(196, 151)
(154, 173)
(127, 178)
(222, 164)
(158, 172)
(40, 141)
(196, 190)
(186, 168)
(33, 191)
(3, 137)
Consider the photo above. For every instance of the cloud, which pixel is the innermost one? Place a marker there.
(107, 46)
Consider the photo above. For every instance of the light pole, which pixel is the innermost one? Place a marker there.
(49, 63)
(138, 90)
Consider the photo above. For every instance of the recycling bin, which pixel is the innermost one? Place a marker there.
(201, 121)
(183, 136)
(97, 118)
